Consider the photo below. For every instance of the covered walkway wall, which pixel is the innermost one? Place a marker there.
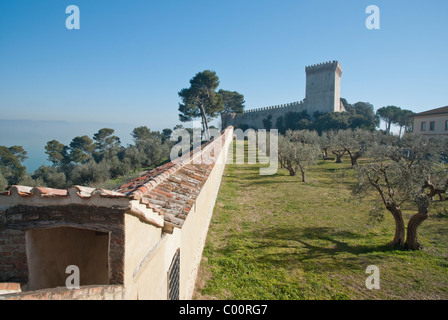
(143, 240)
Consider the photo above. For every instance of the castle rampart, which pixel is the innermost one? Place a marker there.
(322, 95)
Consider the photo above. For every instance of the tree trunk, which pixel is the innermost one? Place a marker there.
(399, 238)
(338, 155)
(411, 236)
(354, 159)
(303, 174)
(338, 158)
(292, 172)
(388, 124)
(204, 123)
(291, 169)
(415, 221)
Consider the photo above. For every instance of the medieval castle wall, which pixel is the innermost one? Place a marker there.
(323, 86)
(254, 117)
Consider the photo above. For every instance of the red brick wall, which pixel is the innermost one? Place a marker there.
(13, 265)
(16, 220)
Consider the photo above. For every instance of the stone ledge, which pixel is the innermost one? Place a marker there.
(106, 292)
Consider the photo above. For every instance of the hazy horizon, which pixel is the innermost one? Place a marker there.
(33, 135)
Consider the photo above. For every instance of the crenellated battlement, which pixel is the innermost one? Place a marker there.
(280, 106)
(324, 66)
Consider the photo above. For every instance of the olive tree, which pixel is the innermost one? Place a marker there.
(336, 144)
(298, 150)
(407, 170)
(352, 142)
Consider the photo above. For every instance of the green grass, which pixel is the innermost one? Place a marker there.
(274, 237)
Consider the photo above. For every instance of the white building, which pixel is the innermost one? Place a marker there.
(432, 122)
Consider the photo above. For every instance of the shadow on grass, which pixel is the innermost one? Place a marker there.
(338, 238)
(267, 181)
(323, 248)
(251, 175)
(340, 169)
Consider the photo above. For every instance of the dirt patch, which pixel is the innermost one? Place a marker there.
(201, 280)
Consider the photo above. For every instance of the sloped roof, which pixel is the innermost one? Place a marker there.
(432, 112)
(172, 188)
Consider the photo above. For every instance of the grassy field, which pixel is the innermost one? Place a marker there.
(274, 237)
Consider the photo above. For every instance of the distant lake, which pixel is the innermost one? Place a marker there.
(33, 135)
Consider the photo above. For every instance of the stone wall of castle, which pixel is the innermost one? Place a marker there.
(323, 85)
(254, 118)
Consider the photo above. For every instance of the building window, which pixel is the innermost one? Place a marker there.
(423, 127)
(173, 277)
(432, 125)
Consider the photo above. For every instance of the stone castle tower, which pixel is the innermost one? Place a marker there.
(323, 87)
(323, 94)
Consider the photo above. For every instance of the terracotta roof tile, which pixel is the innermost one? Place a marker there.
(50, 192)
(431, 112)
(174, 186)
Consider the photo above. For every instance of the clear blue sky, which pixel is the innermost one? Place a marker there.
(130, 58)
